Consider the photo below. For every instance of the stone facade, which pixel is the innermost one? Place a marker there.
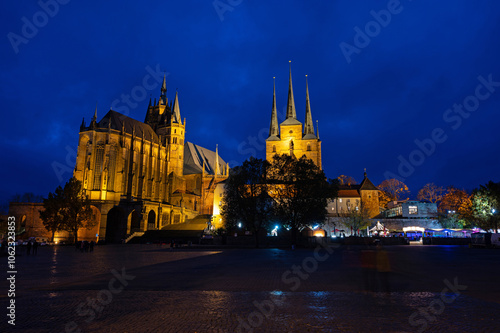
(134, 172)
(29, 224)
(291, 137)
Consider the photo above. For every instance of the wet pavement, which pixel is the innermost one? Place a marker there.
(146, 288)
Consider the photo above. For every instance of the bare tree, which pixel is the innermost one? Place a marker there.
(347, 180)
(431, 192)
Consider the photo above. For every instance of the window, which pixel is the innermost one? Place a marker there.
(340, 200)
(111, 169)
(99, 157)
(412, 210)
(274, 148)
(308, 147)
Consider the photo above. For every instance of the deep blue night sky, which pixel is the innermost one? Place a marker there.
(373, 96)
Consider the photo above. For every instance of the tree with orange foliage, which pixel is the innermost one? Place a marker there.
(346, 180)
(455, 208)
(392, 190)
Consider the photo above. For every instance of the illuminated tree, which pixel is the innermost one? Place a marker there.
(356, 218)
(246, 199)
(393, 190)
(431, 193)
(68, 209)
(301, 192)
(455, 209)
(485, 205)
(51, 215)
(346, 180)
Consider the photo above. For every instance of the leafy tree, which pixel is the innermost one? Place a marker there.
(431, 192)
(346, 180)
(392, 190)
(455, 209)
(77, 211)
(356, 218)
(68, 209)
(51, 215)
(485, 206)
(246, 197)
(300, 190)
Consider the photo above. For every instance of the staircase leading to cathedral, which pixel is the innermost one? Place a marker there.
(189, 231)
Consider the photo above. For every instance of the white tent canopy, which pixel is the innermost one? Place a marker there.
(378, 227)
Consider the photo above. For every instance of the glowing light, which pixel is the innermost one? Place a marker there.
(239, 225)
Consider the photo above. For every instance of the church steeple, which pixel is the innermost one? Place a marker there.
(273, 128)
(308, 125)
(290, 106)
(176, 113)
(163, 97)
(93, 122)
(216, 172)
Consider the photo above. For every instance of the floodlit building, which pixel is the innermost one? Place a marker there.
(411, 213)
(145, 175)
(290, 136)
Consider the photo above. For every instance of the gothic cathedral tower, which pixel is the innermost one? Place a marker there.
(290, 138)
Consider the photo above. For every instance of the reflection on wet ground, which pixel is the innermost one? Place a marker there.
(146, 288)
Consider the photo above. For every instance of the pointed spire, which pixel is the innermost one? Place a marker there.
(216, 159)
(176, 112)
(273, 128)
(149, 102)
(164, 84)
(163, 96)
(82, 126)
(317, 130)
(308, 126)
(93, 121)
(290, 106)
(365, 173)
(95, 113)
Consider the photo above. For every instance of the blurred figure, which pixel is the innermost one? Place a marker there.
(383, 269)
(35, 247)
(368, 266)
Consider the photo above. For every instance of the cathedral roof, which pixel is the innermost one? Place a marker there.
(194, 156)
(129, 125)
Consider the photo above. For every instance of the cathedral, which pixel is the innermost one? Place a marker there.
(144, 175)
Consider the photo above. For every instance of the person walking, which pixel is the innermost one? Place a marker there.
(35, 247)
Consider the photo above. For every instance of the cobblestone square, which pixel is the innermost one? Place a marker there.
(149, 288)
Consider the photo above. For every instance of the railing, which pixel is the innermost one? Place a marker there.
(135, 234)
